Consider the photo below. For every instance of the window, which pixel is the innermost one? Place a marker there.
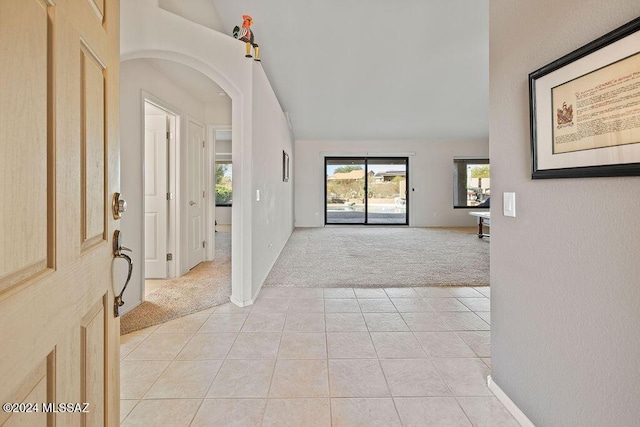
(223, 184)
(471, 183)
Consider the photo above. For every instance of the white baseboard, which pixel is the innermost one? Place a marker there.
(248, 302)
(508, 403)
(240, 303)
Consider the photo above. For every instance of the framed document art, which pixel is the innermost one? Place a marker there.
(585, 110)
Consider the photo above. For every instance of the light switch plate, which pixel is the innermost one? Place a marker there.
(509, 204)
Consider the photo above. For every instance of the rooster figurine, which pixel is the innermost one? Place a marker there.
(246, 35)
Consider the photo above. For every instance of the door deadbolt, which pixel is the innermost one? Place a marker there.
(118, 205)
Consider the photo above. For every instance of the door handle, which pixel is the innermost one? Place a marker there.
(192, 203)
(117, 253)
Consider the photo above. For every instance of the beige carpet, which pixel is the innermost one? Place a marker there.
(206, 285)
(376, 257)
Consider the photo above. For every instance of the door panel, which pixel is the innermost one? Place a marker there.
(151, 244)
(99, 8)
(155, 195)
(25, 257)
(387, 191)
(59, 162)
(345, 191)
(38, 394)
(195, 185)
(34, 389)
(92, 347)
(196, 233)
(92, 149)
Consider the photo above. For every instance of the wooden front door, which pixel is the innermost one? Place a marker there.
(59, 166)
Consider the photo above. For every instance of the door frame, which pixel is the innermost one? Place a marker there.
(365, 158)
(173, 234)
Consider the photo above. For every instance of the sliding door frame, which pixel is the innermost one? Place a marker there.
(365, 160)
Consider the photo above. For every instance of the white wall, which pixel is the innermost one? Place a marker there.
(565, 276)
(150, 32)
(430, 174)
(199, 11)
(223, 147)
(218, 111)
(137, 76)
(223, 215)
(272, 220)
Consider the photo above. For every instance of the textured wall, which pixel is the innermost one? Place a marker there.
(564, 272)
(272, 216)
(199, 11)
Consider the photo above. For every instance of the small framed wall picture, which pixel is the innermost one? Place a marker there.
(285, 166)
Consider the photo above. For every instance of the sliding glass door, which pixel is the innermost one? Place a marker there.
(345, 191)
(387, 192)
(366, 190)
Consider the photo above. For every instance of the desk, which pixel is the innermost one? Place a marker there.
(484, 218)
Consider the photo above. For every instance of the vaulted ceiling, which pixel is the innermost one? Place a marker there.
(368, 69)
(374, 69)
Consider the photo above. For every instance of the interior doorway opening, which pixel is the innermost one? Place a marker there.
(367, 190)
(194, 102)
(220, 180)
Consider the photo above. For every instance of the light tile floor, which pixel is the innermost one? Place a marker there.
(318, 357)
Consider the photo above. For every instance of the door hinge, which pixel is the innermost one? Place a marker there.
(203, 195)
(169, 196)
(169, 257)
(168, 135)
(204, 244)
(202, 144)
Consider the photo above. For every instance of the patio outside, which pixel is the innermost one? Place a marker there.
(384, 194)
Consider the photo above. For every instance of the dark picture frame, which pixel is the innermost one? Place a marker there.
(285, 166)
(585, 110)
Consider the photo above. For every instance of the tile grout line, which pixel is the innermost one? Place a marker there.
(275, 364)
(144, 396)
(130, 411)
(196, 412)
(432, 364)
(136, 346)
(226, 354)
(326, 341)
(463, 411)
(386, 380)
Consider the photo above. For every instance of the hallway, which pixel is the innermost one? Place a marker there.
(318, 357)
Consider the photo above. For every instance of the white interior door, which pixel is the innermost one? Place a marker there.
(156, 145)
(59, 166)
(195, 200)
